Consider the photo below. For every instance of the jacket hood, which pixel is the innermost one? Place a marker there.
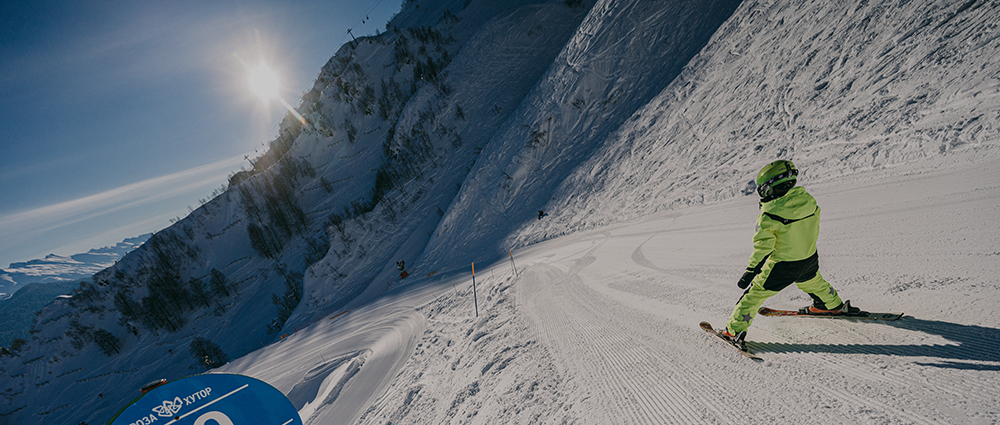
(796, 204)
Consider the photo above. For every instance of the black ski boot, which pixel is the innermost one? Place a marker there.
(739, 339)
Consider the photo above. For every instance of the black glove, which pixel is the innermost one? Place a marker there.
(747, 278)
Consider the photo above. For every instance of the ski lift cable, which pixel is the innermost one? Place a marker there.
(360, 20)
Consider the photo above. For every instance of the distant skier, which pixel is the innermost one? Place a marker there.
(541, 214)
(401, 266)
(784, 251)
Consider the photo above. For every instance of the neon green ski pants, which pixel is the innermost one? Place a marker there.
(754, 297)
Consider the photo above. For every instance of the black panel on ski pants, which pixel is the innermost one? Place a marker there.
(785, 273)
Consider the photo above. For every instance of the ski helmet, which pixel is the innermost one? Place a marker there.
(776, 178)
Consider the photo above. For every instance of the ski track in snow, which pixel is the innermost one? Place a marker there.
(347, 363)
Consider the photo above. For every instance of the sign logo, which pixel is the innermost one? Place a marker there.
(169, 408)
(210, 399)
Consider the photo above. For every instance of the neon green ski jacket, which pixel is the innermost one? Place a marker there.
(787, 229)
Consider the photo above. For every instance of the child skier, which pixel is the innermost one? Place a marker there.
(784, 251)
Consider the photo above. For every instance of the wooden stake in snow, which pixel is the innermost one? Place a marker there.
(474, 299)
(512, 262)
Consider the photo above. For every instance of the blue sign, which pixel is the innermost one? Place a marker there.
(212, 399)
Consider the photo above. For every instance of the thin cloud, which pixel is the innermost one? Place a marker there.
(39, 220)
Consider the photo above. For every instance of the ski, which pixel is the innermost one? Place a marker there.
(746, 353)
(862, 315)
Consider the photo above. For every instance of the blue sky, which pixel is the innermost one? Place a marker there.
(117, 116)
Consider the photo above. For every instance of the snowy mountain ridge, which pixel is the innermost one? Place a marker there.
(55, 268)
(437, 143)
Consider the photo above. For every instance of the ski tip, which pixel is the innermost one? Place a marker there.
(765, 311)
(707, 326)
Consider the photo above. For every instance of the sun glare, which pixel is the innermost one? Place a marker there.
(264, 82)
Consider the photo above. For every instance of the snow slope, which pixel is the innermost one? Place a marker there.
(839, 87)
(636, 126)
(600, 326)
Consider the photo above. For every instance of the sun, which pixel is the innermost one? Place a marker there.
(264, 82)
